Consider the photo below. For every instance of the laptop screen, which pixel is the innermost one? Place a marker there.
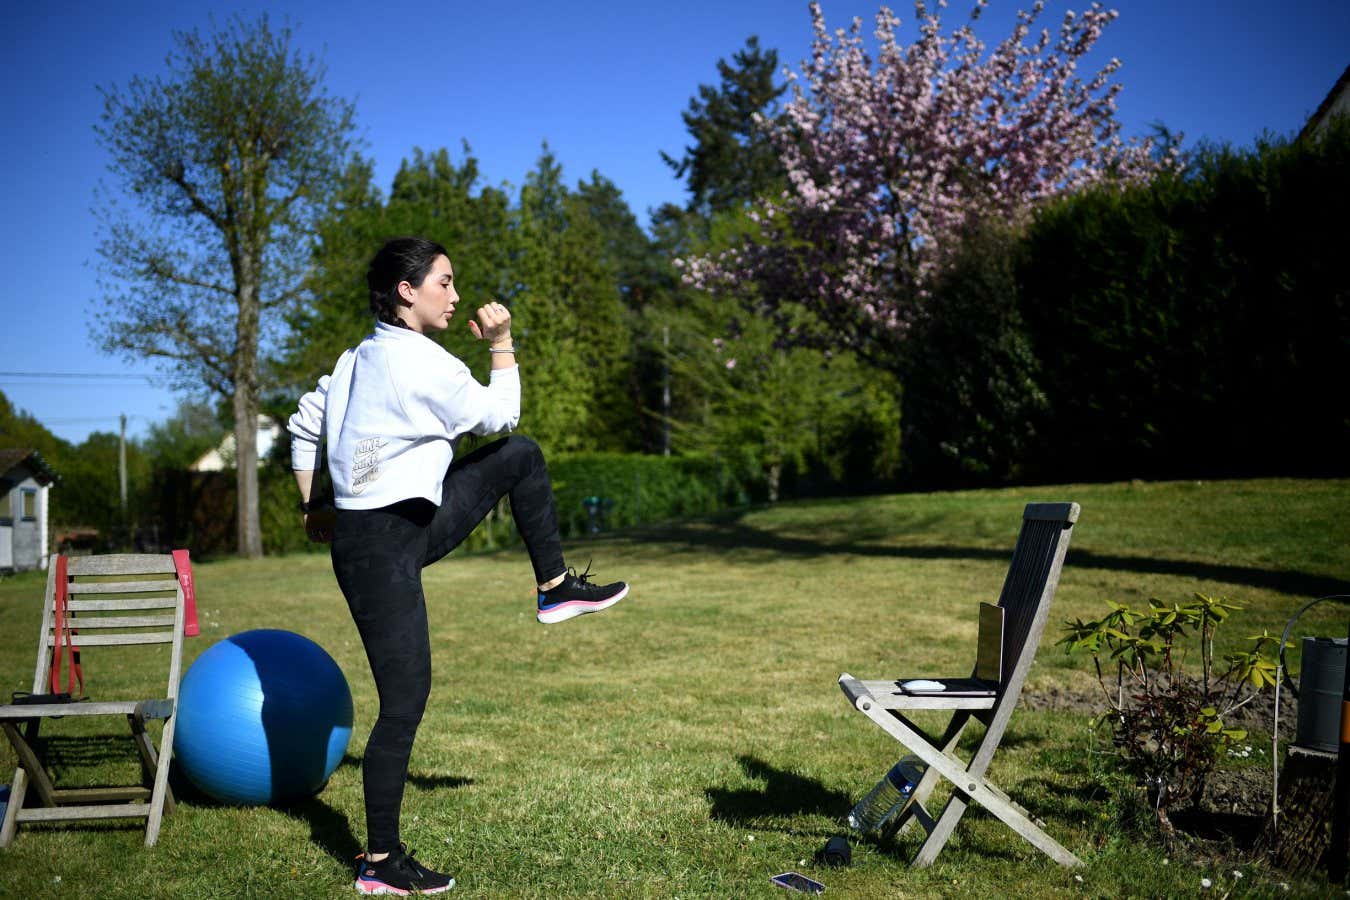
(989, 644)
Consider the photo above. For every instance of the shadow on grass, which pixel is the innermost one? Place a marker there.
(424, 782)
(784, 794)
(329, 829)
(430, 782)
(64, 753)
(729, 536)
(1057, 802)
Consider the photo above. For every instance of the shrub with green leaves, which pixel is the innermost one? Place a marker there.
(1166, 721)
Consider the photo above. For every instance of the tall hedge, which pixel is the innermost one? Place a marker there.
(972, 402)
(1199, 325)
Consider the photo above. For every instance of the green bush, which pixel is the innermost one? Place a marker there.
(1167, 723)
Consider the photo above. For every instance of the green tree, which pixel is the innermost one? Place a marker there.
(90, 490)
(647, 284)
(180, 440)
(431, 196)
(21, 430)
(556, 257)
(230, 159)
(730, 160)
(569, 319)
(642, 271)
(773, 411)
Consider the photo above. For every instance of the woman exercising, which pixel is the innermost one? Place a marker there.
(392, 413)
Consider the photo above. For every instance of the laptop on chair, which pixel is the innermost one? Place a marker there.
(988, 664)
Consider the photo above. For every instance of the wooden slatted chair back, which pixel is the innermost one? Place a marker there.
(1029, 585)
(116, 600)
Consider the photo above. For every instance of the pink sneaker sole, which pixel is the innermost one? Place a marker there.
(561, 612)
(372, 886)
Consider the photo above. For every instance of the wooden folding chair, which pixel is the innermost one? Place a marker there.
(93, 602)
(1025, 600)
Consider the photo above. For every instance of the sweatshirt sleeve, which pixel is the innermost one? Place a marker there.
(306, 428)
(464, 405)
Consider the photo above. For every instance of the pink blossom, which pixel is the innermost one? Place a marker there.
(889, 159)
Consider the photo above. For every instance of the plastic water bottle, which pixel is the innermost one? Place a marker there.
(890, 793)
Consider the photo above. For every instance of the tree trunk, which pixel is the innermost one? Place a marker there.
(245, 404)
(775, 476)
(247, 523)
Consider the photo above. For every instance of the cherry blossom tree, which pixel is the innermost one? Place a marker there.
(891, 158)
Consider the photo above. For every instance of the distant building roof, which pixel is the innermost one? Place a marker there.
(1337, 101)
(12, 458)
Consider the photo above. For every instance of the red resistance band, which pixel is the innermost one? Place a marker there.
(184, 569)
(65, 634)
(65, 644)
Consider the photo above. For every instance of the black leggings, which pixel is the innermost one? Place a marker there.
(378, 557)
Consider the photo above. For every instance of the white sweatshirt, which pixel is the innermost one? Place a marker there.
(392, 413)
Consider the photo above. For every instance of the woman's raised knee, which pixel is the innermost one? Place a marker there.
(524, 449)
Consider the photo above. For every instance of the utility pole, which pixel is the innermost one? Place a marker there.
(665, 391)
(122, 466)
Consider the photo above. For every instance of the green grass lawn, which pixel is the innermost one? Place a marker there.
(692, 741)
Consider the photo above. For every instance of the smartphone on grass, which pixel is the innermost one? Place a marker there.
(795, 881)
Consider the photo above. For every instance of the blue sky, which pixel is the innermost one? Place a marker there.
(604, 83)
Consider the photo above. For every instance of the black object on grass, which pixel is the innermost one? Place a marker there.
(836, 853)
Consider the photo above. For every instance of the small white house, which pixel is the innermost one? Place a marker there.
(222, 456)
(25, 479)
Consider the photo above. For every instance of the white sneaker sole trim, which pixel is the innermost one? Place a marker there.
(573, 608)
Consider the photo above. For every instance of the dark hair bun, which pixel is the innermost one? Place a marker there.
(400, 259)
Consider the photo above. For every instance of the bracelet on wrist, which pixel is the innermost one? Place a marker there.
(309, 506)
(511, 349)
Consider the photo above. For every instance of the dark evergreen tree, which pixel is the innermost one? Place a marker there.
(730, 160)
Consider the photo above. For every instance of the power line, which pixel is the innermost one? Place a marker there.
(99, 375)
(120, 378)
(81, 420)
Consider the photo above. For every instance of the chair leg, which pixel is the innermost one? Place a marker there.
(149, 759)
(160, 791)
(917, 810)
(29, 761)
(941, 831)
(16, 792)
(955, 727)
(968, 783)
(1008, 812)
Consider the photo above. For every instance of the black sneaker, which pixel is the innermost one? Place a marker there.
(576, 596)
(398, 873)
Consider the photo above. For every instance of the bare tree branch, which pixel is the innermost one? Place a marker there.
(159, 269)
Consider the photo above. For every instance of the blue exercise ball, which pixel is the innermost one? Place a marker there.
(263, 717)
